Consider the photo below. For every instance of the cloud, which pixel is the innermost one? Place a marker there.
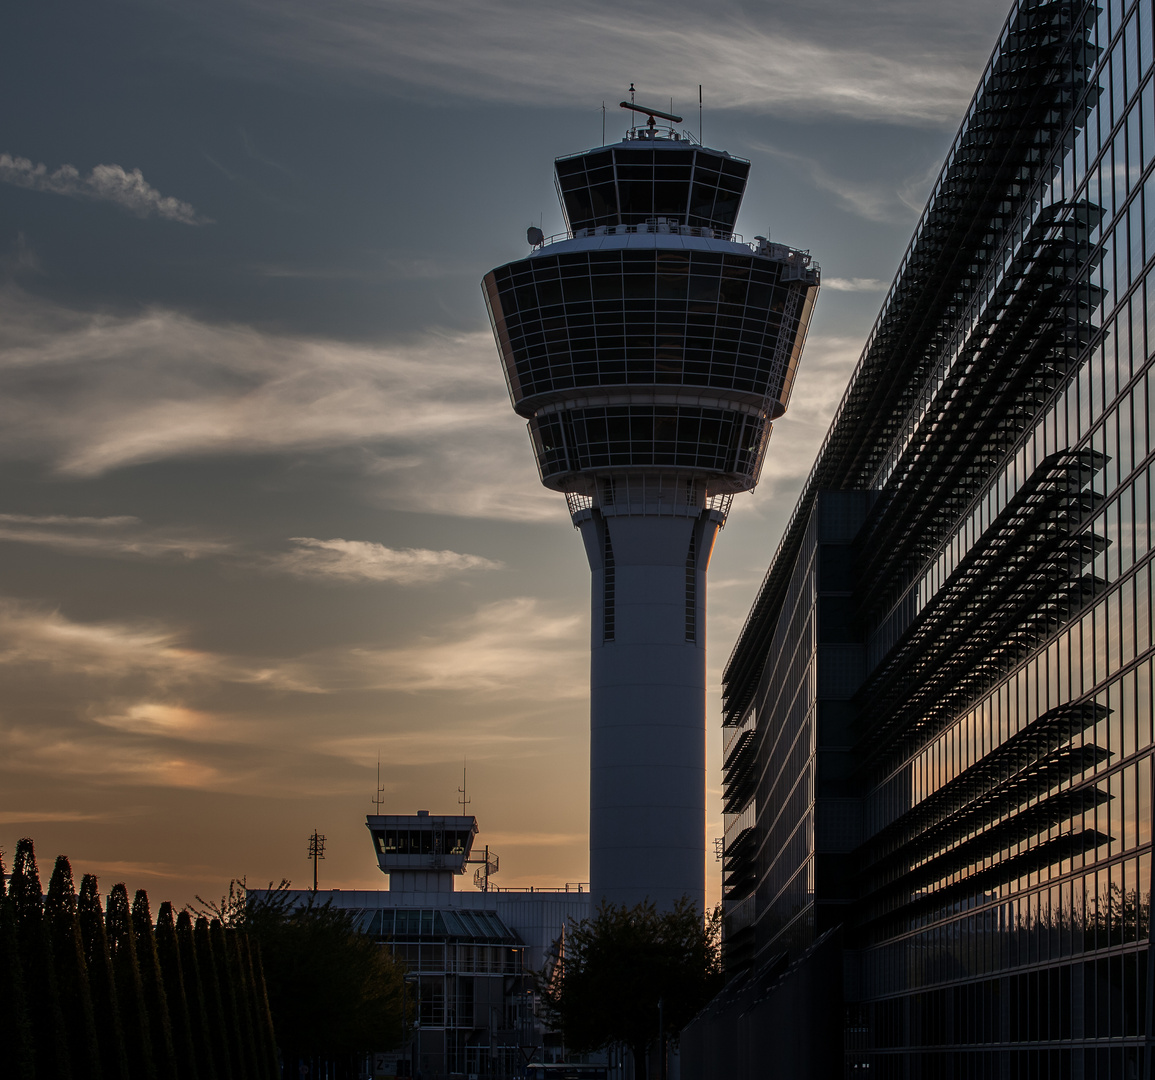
(854, 284)
(105, 183)
(105, 536)
(21, 817)
(892, 61)
(362, 560)
(428, 421)
(512, 649)
(877, 201)
(149, 653)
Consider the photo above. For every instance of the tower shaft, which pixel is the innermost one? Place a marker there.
(647, 701)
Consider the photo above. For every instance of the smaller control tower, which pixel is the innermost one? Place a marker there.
(650, 349)
(422, 853)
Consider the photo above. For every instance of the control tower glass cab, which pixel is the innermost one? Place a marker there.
(650, 349)
(420, 852)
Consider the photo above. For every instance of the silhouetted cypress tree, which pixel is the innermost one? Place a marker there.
(101, 981)
(15, 1033)
(49, 1038)
(63, 924)
(228, 1000)
(243, 992)
(228, 1067)
(129, 990)
(152, 981)
(168, 954)
(267, 1044)
(202, 1035)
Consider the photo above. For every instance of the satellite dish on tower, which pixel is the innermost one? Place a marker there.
(534, 236)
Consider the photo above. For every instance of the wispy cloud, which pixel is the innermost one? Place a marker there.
(884, 61)
(514, 648)
(105, 183)
(362, 560)
(106, 536)
(880, 201)
(152, 654)
(428, 420)
(854, 284)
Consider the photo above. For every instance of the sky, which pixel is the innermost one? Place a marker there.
(266, 515)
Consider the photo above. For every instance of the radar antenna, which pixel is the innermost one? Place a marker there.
(651, 113)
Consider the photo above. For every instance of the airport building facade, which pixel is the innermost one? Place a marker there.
(938, 716)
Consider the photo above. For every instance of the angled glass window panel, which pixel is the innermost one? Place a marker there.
(636, 200)
(567, 167)
(576, 289)
(639, 286)
(634, 156)
(701, 211)
(604, 204)
(579, 207)
(670, 199)
(703, 290)
(607, 287)
(726, 210)
(453, 925)
(549, 293)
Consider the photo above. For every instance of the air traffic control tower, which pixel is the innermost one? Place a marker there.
(650, 349)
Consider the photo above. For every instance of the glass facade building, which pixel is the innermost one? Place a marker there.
(938, 716)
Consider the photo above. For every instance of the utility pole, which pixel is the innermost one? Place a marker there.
(316, 852)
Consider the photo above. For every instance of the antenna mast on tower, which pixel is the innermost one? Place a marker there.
(464, 800)
(316, 852)
(379, 798)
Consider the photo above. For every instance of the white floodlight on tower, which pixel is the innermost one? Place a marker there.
(650, 350)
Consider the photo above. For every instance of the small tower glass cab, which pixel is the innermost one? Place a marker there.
(421, 852)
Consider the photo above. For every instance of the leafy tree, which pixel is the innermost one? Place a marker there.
(60, 913)
(152, 982)
(129, 987)
(101, 981)
(331, 989)
(168, 953)
(49, 1037)
(620, 974)
(15, 1033)
(202, 1034)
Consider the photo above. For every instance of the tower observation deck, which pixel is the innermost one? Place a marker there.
(650, 349)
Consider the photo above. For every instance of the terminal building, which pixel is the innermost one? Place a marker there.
(938, 716)
(472, 957)
(650, 348)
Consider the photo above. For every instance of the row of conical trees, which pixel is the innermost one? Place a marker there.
(102, 993)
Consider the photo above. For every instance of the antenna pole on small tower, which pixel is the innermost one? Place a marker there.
(603, 123)
(316, 852)
(379, 798)
(464, 801)
(699, 114)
